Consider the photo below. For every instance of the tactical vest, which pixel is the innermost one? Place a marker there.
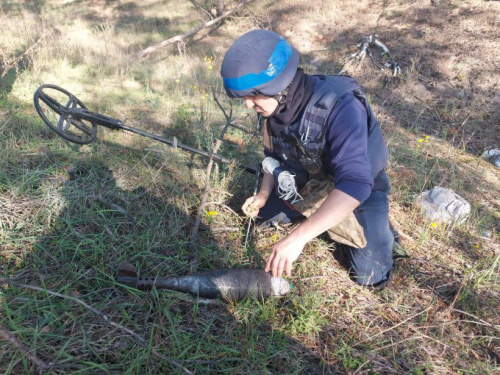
(300, 146)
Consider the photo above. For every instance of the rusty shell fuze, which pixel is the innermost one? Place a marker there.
(230, 285)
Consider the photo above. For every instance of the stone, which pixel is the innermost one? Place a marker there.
(486, 234)
(460, 94)
(443, 205)
(493, 156)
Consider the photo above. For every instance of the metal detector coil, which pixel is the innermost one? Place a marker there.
(59, 117)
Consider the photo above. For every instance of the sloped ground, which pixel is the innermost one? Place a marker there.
(69, 215)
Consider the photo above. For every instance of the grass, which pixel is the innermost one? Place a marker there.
(70, 214)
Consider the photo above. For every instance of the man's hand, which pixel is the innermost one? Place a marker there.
(252, 205)
(284, 253)
(335, 207)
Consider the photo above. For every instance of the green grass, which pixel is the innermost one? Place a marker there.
(70, 214)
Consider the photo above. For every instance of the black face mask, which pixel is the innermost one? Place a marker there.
(292, 103)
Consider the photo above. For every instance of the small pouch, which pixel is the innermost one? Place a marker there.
(348, 232)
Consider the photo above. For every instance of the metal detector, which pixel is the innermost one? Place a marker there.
(75, 123)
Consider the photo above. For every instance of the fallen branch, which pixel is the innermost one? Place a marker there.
(179, 38)
(141, 340)
(367, 42)
(41, 365)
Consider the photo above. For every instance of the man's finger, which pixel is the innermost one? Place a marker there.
(288, 268)
(248, 202)
(250, 209)
(274, 266)
(281, 266)
(245, 206)
(269, 262)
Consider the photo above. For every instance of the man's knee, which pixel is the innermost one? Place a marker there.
(376, 276)
(372, 265)
(375, 285)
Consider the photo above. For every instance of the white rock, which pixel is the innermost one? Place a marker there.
(444, 205)
(460, 94)
(486, 234)
(492, 156)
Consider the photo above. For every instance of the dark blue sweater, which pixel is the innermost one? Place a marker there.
(345, 155)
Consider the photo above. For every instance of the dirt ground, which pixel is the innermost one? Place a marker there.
(441, 313)
(449, 50)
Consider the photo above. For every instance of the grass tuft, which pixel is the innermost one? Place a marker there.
(70, 214)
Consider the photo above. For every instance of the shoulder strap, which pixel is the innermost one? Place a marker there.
(312, 127)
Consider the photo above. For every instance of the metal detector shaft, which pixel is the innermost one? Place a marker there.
(169, 142)
(116, 124)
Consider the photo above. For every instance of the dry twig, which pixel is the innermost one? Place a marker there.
(479, 320)
(367, 42)
(41, 365)
(112, 205)
(7, 65)
(393, 327)
(141, 340)
(180, 38)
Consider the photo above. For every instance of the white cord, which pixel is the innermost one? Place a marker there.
(270, 164)
(286, 180)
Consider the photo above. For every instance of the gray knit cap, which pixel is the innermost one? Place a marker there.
(259, 62)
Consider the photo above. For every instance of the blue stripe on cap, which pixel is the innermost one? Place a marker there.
(277, 63)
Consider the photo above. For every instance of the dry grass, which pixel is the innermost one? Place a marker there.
(69, 215)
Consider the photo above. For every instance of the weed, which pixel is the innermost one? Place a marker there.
(70, 214)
